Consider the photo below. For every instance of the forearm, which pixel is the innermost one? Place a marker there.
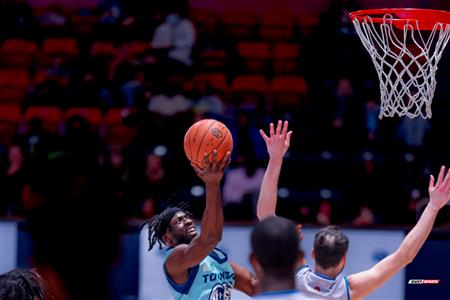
(267, 200)
(418, 235)
(212, 221)
(245, 281)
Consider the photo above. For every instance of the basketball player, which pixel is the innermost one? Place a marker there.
(326, 281)
(194, 267)
(275, 265)
(23, 284)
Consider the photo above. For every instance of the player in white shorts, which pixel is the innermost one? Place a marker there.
(326, 280)
(275, 255)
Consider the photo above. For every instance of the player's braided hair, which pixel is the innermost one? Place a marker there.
(21, 284)
(158, 225)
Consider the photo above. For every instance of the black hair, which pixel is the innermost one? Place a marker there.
(158, 225)
(21, 284)
(276, 246)
(330, 245)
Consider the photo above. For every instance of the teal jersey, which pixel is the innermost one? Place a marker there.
(212, 279)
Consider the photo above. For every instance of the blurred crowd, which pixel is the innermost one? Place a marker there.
(159, 66)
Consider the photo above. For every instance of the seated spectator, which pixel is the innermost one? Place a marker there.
(209, 103)
(37, 140)
(177, 37)
(15, 181)
(74, 222)
(87, 93)
(170, 101)
(372, 109)
(80, 140)
(124, 76)
(412, 133)
(17, 20)
(54, 21)
(241, 188)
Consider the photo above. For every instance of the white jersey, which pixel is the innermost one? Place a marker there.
(316, 286)
(281, 295)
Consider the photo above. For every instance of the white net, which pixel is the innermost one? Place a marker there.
(406, 61)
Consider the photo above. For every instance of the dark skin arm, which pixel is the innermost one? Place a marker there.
(244, 280)
(185, 256)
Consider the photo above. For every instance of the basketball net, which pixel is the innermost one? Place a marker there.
(406, 61)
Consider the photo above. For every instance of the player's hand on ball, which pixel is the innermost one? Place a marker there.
(213, 172)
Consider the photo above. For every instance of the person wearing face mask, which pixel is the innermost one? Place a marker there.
(175, 37)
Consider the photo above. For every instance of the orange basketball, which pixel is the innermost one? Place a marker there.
(205, 136)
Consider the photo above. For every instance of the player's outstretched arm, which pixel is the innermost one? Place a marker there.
(185, 256)
(277, 144)
(361, 284)
(244, 279)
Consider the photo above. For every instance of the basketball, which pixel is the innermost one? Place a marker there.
(206, 136)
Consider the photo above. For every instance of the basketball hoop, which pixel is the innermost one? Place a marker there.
(405, 45)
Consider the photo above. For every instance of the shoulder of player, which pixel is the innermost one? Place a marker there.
(176, 253)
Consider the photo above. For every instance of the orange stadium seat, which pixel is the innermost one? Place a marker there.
(239, 25)
(82, 25)
(212, 60)
(116, 133)
(205, 21)
(17, 53)
(217, 81)
(255, 55)
(10, 119)
(103, 49)
(63, 46)
(249, 90)
(49, 115)
(93, 115)
(138, 47)
(288, 92)
(307, 22)
(285, 58)
(276, 27)
(13, 85)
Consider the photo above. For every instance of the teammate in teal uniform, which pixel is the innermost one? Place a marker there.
(194, 267)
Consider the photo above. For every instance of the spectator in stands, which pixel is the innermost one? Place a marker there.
(87, 93)
(372, 109)
(52, 86)
(171, 101)
(74, 222)
(155, 186)
(17, 20)
(80, 139)
(4, 201)
(14, 181)
(125, 76)
(245, 131)
(37, 140)
(412, 133)
(177, 37)
(110, 17)
(209, 103)
(54, 21)
(347, 115)
(324, 213)
(241, 188)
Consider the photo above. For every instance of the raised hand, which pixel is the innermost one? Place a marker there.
(439, 192)
(279, 140)
(214, 169)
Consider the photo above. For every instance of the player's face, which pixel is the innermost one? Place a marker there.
(182, 227)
